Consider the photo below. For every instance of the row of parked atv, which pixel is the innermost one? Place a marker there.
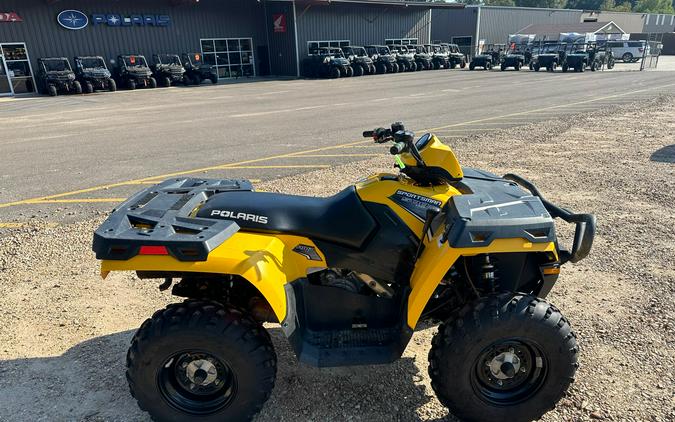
(335, 62)
(91, 73)
(549, 56)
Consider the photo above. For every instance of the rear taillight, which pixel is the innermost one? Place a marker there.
(153, 250)
(641, 49)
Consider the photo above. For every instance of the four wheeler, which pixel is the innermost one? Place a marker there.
(576, 58)
(600, 57)
(514, 58)
(167, 69)
(384, 61)
(56, 76)
(485, 59)
(326, 62)
(404, 57)
(548, 56)
(92, 73)
(455, 56)
(197, 71)
(422, 57)
(439, 55)
(349, 278)
(360, 62)
(132, 71)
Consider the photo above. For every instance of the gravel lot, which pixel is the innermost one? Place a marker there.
(65, 332)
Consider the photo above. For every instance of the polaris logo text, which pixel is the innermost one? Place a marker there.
(262, 219)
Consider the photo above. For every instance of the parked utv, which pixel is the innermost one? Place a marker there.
(132, 71)
(600, 57)
(384, 61)
(93, 74)
(455, 56)
(56, 76)
(359, 60)
(349, 278)
(404, 57)
(326, 62)
(548, 56)
(514, 58)
(168, 69)
(486, 58)
(576, 58)
(422, 57)
(439, 56)
(197, 71)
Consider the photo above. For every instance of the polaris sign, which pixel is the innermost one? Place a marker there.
(133, 20)
(72, 19)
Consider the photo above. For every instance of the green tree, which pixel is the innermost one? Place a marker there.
(500, 3)
(654, 6)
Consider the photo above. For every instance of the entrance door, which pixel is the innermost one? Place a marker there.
(18, 67)
(5, 86)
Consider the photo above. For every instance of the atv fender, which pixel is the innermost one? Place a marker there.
(267, 261)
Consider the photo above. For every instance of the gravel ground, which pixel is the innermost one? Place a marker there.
(65, 332)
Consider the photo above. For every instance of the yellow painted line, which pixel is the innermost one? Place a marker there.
(338, 155)
(300, 166)
(75, 201)
(20, 225)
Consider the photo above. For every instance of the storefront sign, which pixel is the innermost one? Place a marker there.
(279, 21)
(133, 20)
(10, 17)
(72, 19)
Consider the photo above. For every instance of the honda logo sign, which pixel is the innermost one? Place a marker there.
(10, 17)
(279, 21)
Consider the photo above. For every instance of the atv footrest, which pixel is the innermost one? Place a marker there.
(361, 346)
(162, 216)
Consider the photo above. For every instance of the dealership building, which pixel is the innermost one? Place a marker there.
(241, 37)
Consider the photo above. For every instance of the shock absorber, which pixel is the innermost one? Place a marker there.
(488, 273)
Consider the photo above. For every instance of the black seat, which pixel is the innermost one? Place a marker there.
(341, 218)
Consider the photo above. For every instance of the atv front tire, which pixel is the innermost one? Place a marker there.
(199, 360)
(131, 84)
(358, 70)
(52, 91)
(506, 357)
(88, 87)
(112, 85)
(77, 86)
(153, 82)
(166, 82)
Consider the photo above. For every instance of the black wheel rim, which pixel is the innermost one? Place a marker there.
(509, 372)
(197, 382)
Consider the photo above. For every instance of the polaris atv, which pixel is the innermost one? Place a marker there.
(349, 278)
(360, 62)
(422, 57)
(168, 69)
(326, 62)
(484, 59)
(404, 57)
(513, 58)
(577, 58)
(600, 57)
(384, 61)
(56, 76)
(439, 56)
(132, 71)
(92, 73)
(455, 56)
(197, 71)
(548, 56)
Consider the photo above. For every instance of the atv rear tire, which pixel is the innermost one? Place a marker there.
(488, 66)
(436, 65)
(131, 84)
(52, 91)
(413, 66)
(395, 68)
(214, 80)
(506, 357)
(503, 67)
(112, 86)
(381, 68)
(536, 67)
(349, 71)
(358, 70)
(198, 360)
(471, 66)
(166, 82)
(334, 73)
(153, 82)
(88, 87)
(77, 86)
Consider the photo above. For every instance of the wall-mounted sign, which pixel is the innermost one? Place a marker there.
(279, 21)
(72, 19)
(10, 17)
(133, 20)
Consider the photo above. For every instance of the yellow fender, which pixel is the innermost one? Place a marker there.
(266, 261)
(439, 257)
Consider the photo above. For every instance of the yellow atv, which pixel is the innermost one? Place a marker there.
(349, 278)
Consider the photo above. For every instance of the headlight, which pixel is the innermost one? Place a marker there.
(326, 60)
(375, 56)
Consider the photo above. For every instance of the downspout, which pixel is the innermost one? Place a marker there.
(475, 49)
(429, 25)
(267, 36)
(297, 53)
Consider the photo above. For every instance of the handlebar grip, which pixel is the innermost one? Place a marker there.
(397, 148)
(368, 133)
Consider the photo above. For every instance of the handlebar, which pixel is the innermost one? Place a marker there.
(398, 148)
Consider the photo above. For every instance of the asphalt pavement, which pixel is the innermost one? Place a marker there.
(66, 158)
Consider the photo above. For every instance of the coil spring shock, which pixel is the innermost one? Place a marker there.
(488, 273)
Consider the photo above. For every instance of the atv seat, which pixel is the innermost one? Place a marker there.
(340, 218)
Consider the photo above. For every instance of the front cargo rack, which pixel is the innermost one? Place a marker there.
(158, 221)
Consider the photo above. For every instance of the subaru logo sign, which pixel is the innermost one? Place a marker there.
(72, 19)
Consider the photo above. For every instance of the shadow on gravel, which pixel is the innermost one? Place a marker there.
(664, 155)
(87, 383)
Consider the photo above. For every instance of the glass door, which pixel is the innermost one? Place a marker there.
(233, 57)
(18, 67)
(5, 86)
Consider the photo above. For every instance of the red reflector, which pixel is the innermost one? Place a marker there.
(153, 250)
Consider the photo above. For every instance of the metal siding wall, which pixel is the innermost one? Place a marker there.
(658, 24)
(362, 24)
(497, 23)
(629, 22)
(208, 19)
(448, 23)
(281, 44)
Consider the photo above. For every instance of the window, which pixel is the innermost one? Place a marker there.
(233, 57)
(400, 41)
(464, 43)
(635, 44)
(314, 45)
(18, 67)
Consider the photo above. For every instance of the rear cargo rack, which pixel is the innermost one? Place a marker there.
(160, 220)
